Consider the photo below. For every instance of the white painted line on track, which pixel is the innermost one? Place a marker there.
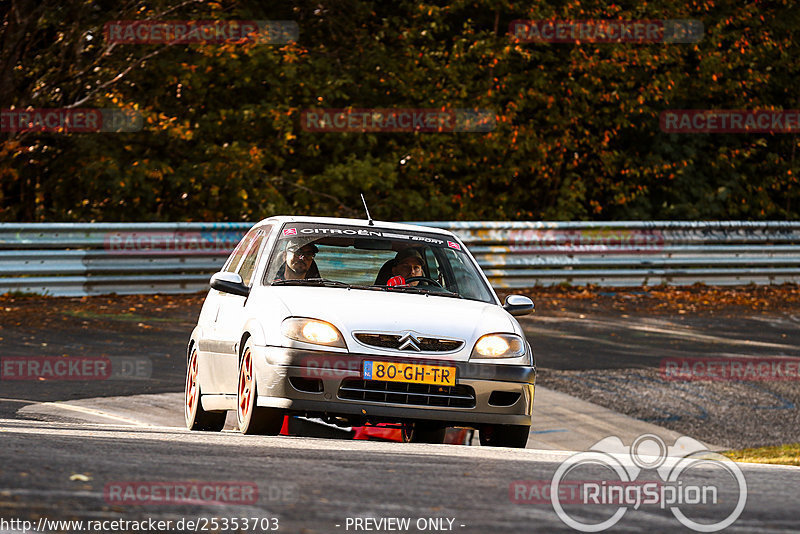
(83, 410)
(18, 401)
(98, 413)
(33, 423)
(10, 492)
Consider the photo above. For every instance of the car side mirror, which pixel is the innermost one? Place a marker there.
(518, 305)
(229, 283)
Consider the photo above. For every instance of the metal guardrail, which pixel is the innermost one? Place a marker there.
(633, 253)
(76, 259)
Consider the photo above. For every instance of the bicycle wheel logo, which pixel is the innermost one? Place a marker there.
(677, 468)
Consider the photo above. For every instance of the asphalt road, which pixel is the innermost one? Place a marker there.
(60, 468)
(615, 359)
(63, 471)
(575, 341)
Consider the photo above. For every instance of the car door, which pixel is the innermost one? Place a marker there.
(232, 317)
(209, 346)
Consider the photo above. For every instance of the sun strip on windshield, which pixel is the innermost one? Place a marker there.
(300, 230)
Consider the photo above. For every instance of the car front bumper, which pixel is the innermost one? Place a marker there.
(279, 370)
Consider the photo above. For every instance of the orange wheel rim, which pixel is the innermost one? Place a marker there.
(245, 386)
(191, 384)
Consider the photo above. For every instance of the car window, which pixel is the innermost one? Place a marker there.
(248, 264)
(367, 257)
(351, 265)
(432, 265)
(232, 265)
(465, 280)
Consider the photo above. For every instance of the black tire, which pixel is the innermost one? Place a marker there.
(195, 416)
(515, 436)
(423, 433)
(252, 418)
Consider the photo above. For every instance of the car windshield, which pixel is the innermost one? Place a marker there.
(375, 259)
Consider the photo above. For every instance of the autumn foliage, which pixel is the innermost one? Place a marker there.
(577, 132)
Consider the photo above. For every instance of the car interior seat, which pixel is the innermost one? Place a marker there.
(384, 273)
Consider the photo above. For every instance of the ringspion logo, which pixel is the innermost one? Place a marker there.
(692, 483)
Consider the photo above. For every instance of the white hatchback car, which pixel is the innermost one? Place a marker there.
(356, 323)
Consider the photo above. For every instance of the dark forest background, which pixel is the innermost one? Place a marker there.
(577, 134)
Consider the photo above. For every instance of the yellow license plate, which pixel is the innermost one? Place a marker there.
(409, 372)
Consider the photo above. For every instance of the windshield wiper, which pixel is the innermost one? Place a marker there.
(325, 282)
(408, 289)
(422, 291)
(448, 294)
(321, 282)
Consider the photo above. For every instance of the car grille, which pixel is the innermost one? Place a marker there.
(395, 341)
(411, 394)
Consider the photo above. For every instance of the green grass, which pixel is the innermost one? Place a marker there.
(781, 454)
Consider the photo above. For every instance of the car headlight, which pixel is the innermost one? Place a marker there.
(499, 346)
(312, 331)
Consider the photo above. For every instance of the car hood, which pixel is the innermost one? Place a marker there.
(354, 310)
